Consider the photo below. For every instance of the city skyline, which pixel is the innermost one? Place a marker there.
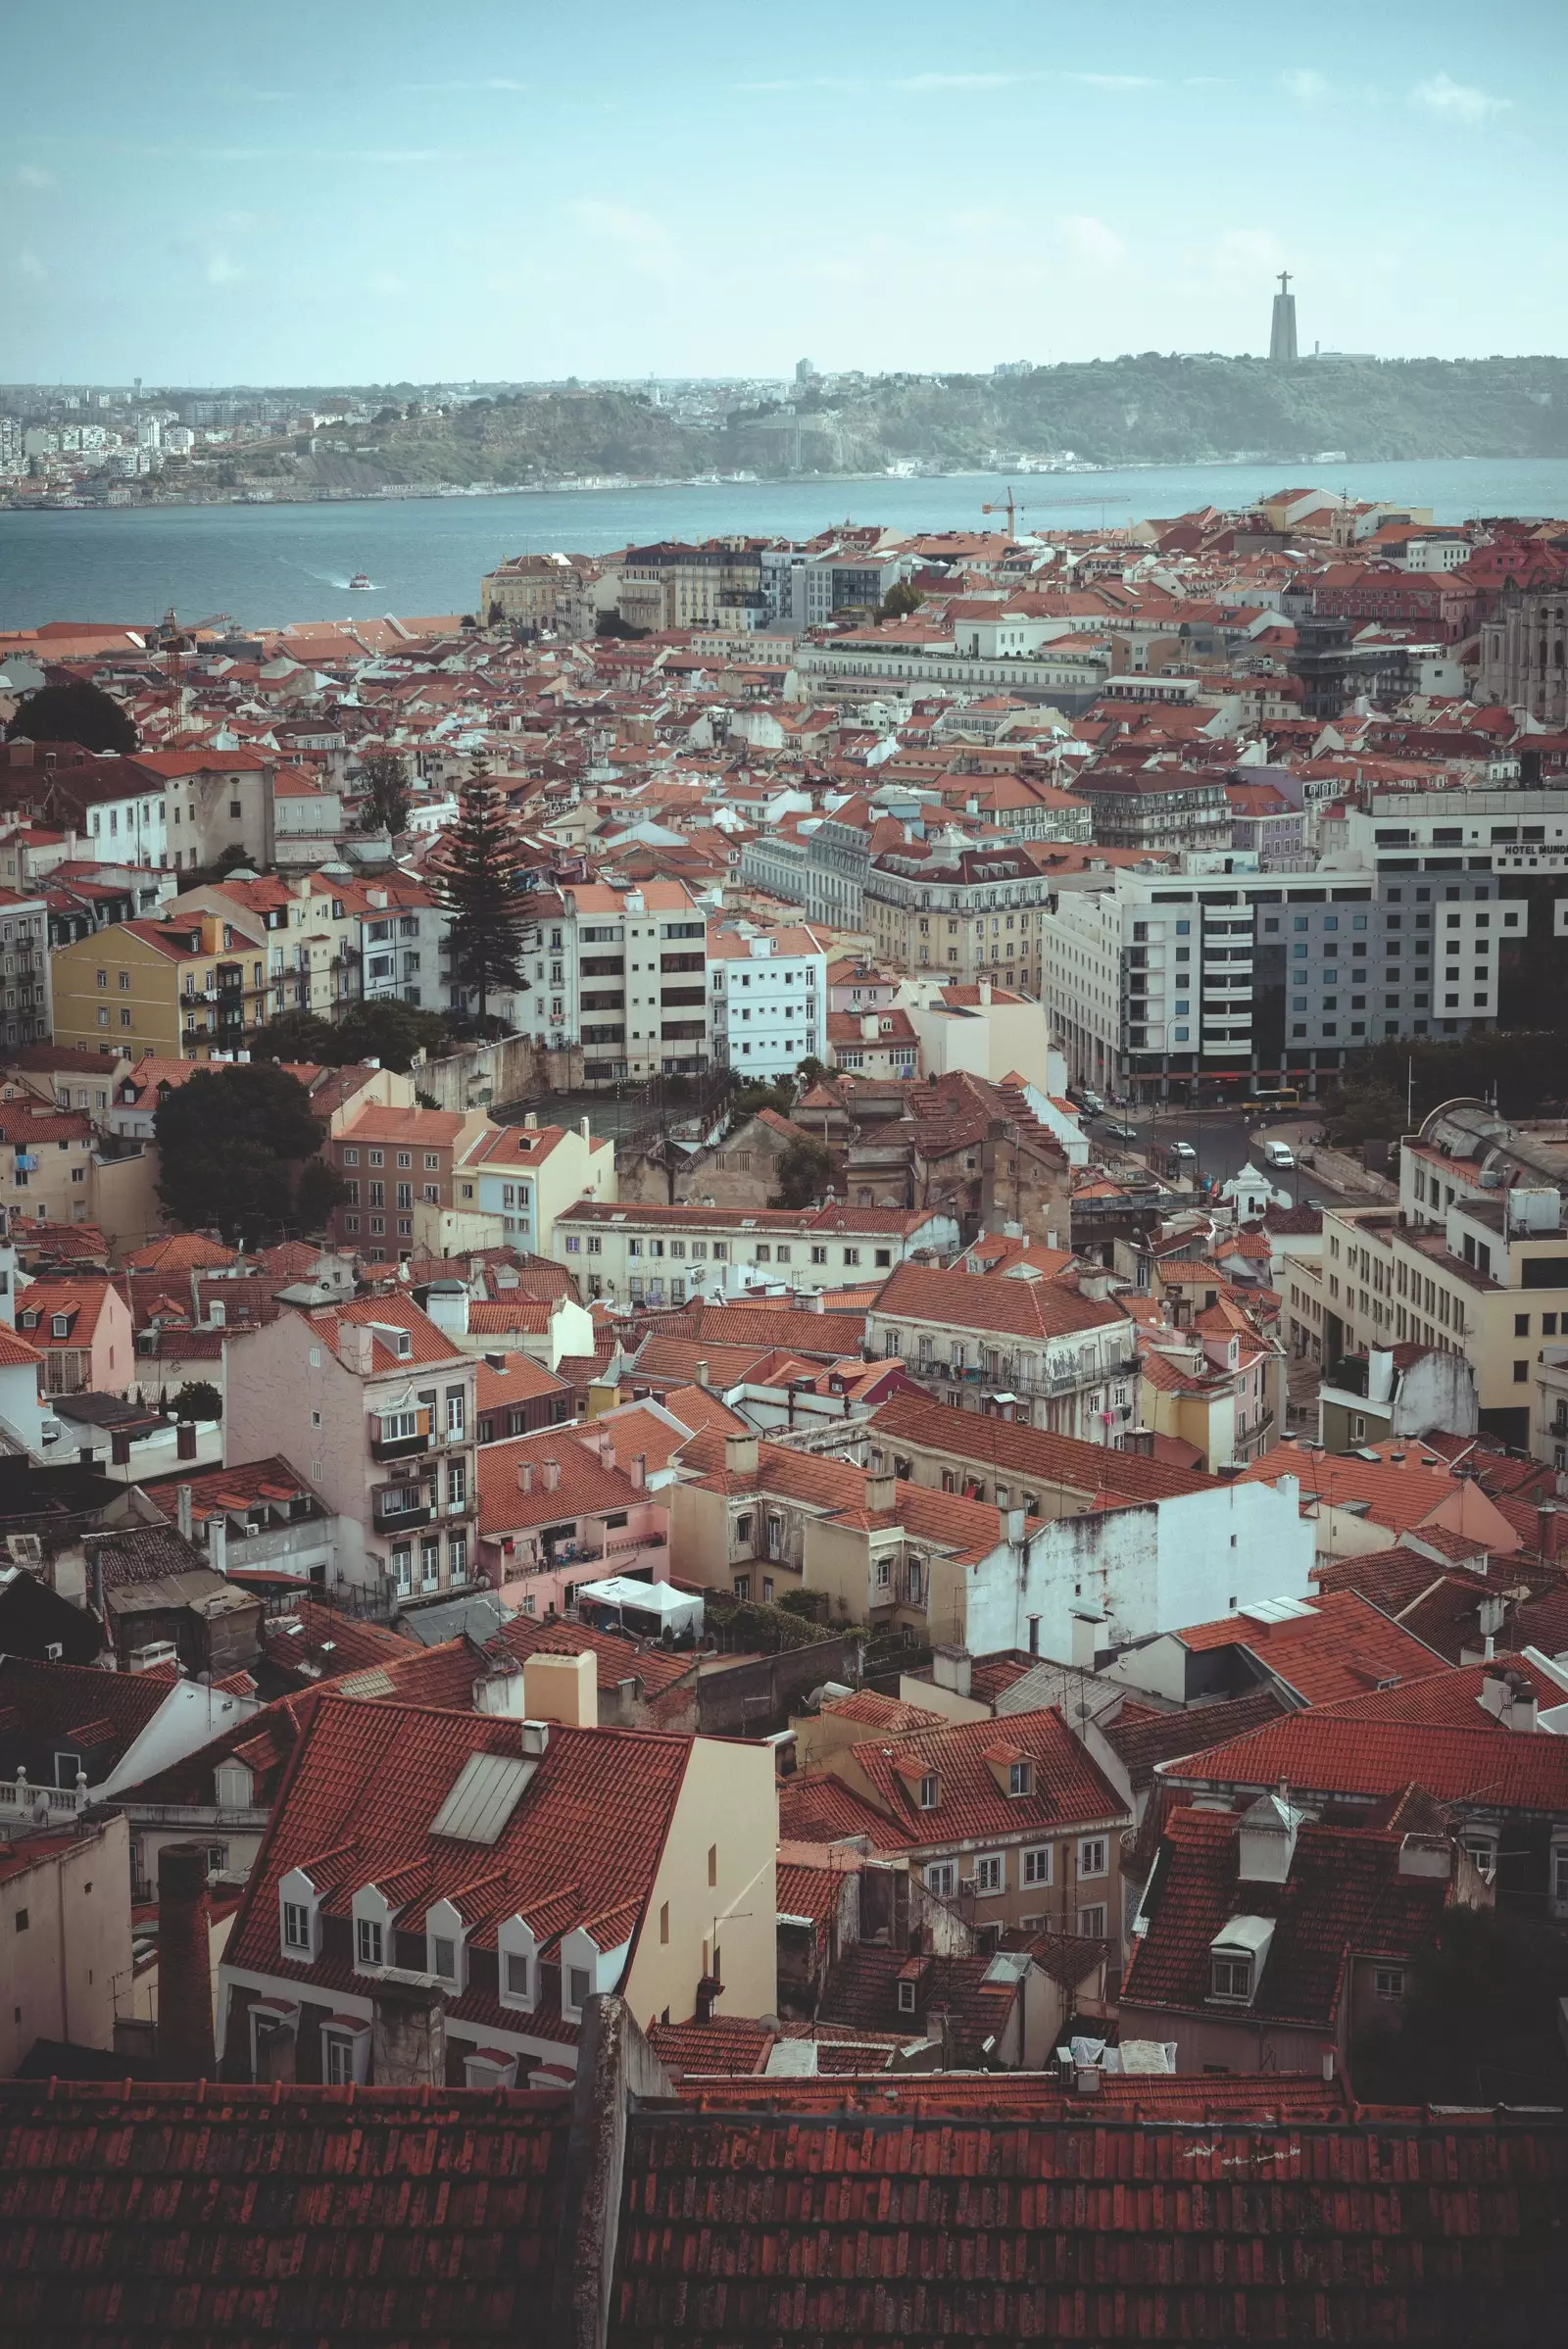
(508, 198)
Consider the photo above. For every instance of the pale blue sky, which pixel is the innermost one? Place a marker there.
(354, 192)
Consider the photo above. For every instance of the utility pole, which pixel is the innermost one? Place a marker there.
(1410, 1093)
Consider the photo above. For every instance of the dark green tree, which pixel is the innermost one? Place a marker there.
(1368, 1110)
(302, 1035)
(321, 1188)
(383, 778)
(804, 1172)
(74, 711)
(198, 1398)
(901, 600)
(390, 1031)
(477, 883)
(229, 1144)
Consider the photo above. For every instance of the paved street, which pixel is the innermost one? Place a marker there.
(1225, 1140)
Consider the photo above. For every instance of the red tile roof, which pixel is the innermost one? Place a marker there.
(1344, 1894)
(1067, 1789)
(964, 2220)
(1031, 1452)
(272, 2214)
(991, 1302)
(1327, 1755)
(580, 1845)
(1343, 1648)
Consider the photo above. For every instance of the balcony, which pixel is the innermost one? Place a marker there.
(389, 1519)
(398, 1447)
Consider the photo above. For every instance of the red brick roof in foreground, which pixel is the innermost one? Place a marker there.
(260, 2215)
(813, 2226)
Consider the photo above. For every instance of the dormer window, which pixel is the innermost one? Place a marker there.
(905, 1998)
(518, 1963)
(60, 1325)
(372, 1929)
(1021, 1778)
(299, 1916)
(446, 1948)
(1231, 1978)
(370, 1937)
(929, 1791)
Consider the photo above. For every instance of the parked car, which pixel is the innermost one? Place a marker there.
(1120, 1130)
(1278, 1154)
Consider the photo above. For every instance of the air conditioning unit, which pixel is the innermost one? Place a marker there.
(966, 1884)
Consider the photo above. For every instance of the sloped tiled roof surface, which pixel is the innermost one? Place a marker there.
(823, 1810)
(62, 1700)
(1344, 1648)
(1066, 1787)
(1328, 1753)
(825, 2228)
(580, 1843)
(252, 2215)
(862, 1991)
(1140, 1738)
(1033, 1452)
(1344, 1892)
(993, 1304)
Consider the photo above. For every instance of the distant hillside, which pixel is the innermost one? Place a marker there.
(1150, 410)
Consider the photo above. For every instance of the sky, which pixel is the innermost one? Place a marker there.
(388, 192)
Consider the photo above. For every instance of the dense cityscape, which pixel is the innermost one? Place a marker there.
(783, 1178)
(785, 1388)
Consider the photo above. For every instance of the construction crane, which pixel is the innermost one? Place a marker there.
(1009, 508)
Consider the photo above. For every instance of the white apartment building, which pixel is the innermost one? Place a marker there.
(644, 1254)
(767, 994)
(1157, 980)
(623, 972)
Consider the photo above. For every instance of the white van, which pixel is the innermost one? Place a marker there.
(1278, 1154)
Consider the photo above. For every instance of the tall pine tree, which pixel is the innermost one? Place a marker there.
(480, 866)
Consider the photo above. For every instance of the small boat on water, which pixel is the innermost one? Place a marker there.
(359, 580)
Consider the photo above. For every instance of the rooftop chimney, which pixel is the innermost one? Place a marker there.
(563, 1689)
(639, 1470)
(740, 1456)
(408, 2035)
(880, 1492)
(552, 1475)
(525, 1475)
(182, 1509)
(184, 1965)
(1265, 1842)
(1547, 1530)
(702, 1374)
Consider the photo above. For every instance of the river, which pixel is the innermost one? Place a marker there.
(264, 565)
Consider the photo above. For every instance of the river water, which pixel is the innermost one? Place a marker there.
(264, 565)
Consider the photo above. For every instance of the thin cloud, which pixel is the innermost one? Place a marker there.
(31, 175)
(1457, 101)
(643, 240)
(921, 83)
(222, 270)
(1113, 81)
(30, 265)
(1090, 241)
(1305, 84)
(492, 81)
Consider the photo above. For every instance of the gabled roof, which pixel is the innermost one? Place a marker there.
(991, 1304)
(65, 1701)
(1336, 1646)
(1343, 1893)
(1066, 1788)
(1325, 1754)
(579, 1843)
(1032, 1452)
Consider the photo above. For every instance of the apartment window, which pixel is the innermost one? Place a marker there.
(1038, 1867)
(1388, 1981)
(340, 2052)
(403, 1570)
(443, 1957)
(942, 1879)
(1092, 1855)
(1521, 1373)
(518, 1976)
(369, 1939)
(990, 1873)
(928, 1791)
(743, 1586)
(429, 1564)
(1521, 1325)
(1092, 1923)
(1018, 1778)
(296, 1926)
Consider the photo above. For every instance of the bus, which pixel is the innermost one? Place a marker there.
(1276, 1097)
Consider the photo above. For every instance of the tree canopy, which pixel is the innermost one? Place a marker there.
(229, 1142)
(74, 711)
(383, 778)
(805, 1173)
(384, 1029)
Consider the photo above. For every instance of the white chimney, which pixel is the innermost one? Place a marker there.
(1265, 1842)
